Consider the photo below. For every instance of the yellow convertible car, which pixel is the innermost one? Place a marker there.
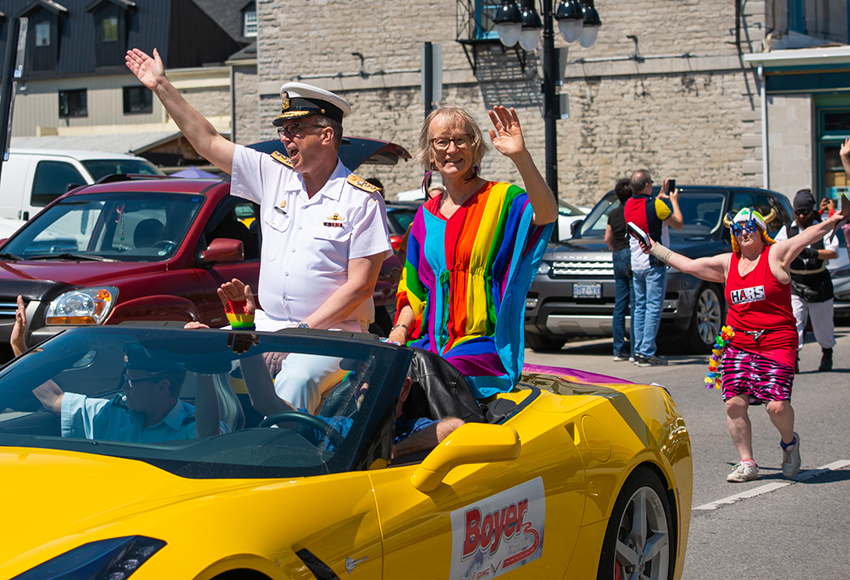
(132, 451)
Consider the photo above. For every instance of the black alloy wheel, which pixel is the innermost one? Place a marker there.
(706, 321)
(541, 343)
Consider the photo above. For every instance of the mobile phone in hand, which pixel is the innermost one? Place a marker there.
(638, 234)
(671, 186)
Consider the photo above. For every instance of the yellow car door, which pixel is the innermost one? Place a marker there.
(484, 519)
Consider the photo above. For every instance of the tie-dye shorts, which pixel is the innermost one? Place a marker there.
(764, 380)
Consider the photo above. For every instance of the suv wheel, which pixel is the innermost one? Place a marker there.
(541, 343)
(706, 321)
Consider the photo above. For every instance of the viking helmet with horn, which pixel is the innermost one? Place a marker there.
(750, 220)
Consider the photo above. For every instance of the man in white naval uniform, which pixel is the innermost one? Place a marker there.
(324, 229)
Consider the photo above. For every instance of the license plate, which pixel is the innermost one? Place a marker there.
(587, 290)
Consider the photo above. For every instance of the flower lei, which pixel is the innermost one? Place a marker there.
(720, 343)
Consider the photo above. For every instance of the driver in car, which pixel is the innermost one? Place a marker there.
(148, 410)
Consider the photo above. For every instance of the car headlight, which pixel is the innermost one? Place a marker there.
(115, 559)
(544, 268)
(83, 306)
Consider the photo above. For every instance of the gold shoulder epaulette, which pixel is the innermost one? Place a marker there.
(361, 183)
(281, 158)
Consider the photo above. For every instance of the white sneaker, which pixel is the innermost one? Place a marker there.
(791, 459)
(743, 472)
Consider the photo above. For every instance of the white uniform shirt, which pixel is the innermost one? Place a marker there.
(307, 243)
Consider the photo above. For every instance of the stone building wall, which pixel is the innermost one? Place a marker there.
(791, 135)
(247, 115)
(680, 101)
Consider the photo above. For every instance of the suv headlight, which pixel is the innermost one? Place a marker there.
(544, 268)
(83, 306)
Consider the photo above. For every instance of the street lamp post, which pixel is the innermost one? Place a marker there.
(576, 22)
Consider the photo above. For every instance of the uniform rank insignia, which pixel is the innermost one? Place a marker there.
(335, 221)
(281, 158)
(361, 183)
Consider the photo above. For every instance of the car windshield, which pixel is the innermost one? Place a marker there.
(568, 209)
(112, 382)
(102, 167)
(125, 227)
(702, 214)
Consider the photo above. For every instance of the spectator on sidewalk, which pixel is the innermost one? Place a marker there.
(649, 276)
(617, 239)
(811, 284)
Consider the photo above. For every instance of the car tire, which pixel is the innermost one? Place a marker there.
(541, 343)
(706, 320)
(651, 544)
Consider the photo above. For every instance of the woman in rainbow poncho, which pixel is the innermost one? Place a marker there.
(473, 251)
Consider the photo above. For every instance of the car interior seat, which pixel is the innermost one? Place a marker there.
(230, 227)
(439, 391)
(148, 232)
(229, 406)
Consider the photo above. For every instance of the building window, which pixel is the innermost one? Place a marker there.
(73, 104)
(110, 29)
(137, 100)
(796, 16)
(484, 12)
(42, 34)
(249, 20)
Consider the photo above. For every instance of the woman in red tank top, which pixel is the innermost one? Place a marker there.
(758, 365)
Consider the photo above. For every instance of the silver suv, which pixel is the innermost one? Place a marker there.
(572, 294)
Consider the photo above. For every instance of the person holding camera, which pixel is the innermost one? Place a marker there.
(649, 276)
(811, 284)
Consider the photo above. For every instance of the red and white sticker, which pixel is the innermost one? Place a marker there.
(499, 533)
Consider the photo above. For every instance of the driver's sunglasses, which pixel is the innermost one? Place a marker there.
(749, 226)
(802, 212)
(293, 130)
(137, 381)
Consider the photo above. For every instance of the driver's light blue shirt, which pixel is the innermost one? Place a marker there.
(111, 420)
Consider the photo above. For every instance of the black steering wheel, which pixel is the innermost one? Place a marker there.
(332, 434)
(163, 244)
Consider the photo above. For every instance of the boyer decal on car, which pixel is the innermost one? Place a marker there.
(499, 533)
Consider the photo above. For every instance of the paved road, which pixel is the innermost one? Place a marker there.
(800, 529)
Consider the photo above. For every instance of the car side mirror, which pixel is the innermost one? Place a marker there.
(574, 227)
(469, 443)
(224, 251)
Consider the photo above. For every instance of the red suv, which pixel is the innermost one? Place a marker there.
(132, 248)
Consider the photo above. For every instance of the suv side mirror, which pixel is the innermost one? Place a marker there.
(574, 227)
(224, 251)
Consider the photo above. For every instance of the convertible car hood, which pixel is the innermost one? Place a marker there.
(34, 280)
(95, 491)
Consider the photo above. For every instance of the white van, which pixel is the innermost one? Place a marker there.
(32, 178)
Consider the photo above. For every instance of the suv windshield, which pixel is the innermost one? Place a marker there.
(102, 167)
(128, 227)
(110, 381)
(702, 214)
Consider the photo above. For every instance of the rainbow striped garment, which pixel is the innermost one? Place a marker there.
(466, 279)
